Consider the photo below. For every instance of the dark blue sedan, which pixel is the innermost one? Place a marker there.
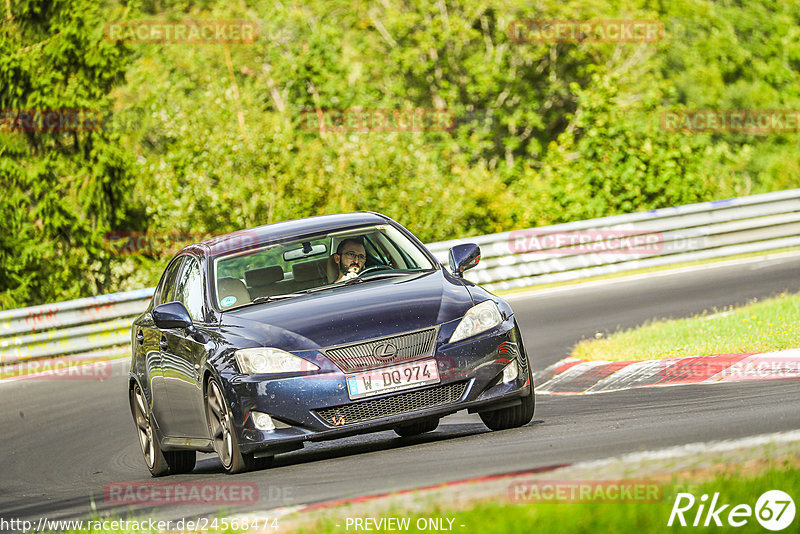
(260, 340)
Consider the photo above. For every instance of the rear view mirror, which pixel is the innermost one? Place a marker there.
(463, 257)
(306, 251)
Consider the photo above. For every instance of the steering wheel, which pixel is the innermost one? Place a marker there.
(377, 267)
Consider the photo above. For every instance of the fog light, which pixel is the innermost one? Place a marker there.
(511, 372)
(263, 421)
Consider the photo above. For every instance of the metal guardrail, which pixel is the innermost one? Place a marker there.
(89, 328)
(657, 237)
(99, 327)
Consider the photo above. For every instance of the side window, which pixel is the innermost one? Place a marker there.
(190, 290)
(166, 291)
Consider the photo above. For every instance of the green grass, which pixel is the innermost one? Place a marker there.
(772, 324)
(735, 486)
(595, 517)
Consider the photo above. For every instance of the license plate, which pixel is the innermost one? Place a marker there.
(395, 378)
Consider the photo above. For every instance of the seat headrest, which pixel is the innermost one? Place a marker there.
(232, 291)
(263, 275)
(306, 271)
(333, 269)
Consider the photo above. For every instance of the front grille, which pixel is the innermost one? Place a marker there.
(362, 356)
(394, 405)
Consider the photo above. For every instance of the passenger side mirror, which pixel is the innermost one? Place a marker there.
(171, 315)
(463, 257)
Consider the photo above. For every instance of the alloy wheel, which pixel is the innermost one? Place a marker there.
(220, 424)
(143, 427)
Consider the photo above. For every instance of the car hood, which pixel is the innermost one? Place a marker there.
(350, 313)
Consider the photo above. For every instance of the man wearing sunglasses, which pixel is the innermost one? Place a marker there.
(350, 257)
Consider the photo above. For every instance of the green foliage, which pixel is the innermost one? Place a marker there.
(64, 189)
(208, 138)
(614, 158)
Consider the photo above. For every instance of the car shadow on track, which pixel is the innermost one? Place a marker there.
(355, 445)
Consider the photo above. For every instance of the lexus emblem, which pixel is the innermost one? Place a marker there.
(384, 351)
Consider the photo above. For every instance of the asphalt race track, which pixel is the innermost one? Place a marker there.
(64, 440)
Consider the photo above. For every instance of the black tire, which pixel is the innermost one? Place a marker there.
(223, 435)
(417, 428)
(512, 417)
(154, 458)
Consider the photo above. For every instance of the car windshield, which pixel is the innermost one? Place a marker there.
(297, 266)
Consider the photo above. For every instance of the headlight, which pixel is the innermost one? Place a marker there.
(479, 318)
(270, 360)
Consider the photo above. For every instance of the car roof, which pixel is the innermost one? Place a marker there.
(260, 235)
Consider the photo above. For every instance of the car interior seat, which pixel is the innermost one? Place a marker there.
(262, 279)
(308, 274)
(234, 288)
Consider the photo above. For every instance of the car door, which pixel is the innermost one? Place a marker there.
(152, 340)
(184, 355)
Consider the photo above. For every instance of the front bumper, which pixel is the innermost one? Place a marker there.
(470, 378)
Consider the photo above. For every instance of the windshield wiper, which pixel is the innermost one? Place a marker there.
(271, 298)
(396, 272)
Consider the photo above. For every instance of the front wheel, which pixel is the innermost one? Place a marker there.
(223, 435)
(511, 417)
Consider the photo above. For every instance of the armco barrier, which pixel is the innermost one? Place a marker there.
(670, 235)
(93, 327)
(100, 326)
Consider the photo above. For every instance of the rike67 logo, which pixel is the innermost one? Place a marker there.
(774, 510)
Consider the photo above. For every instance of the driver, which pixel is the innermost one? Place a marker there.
(350, 257)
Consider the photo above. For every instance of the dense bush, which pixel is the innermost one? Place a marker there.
(203, 139)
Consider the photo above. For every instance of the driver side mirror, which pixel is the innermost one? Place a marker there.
(463, 257)
(171, 315)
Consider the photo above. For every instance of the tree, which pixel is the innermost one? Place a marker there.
(65, 177)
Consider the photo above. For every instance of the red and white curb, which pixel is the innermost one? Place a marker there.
(572, 375)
